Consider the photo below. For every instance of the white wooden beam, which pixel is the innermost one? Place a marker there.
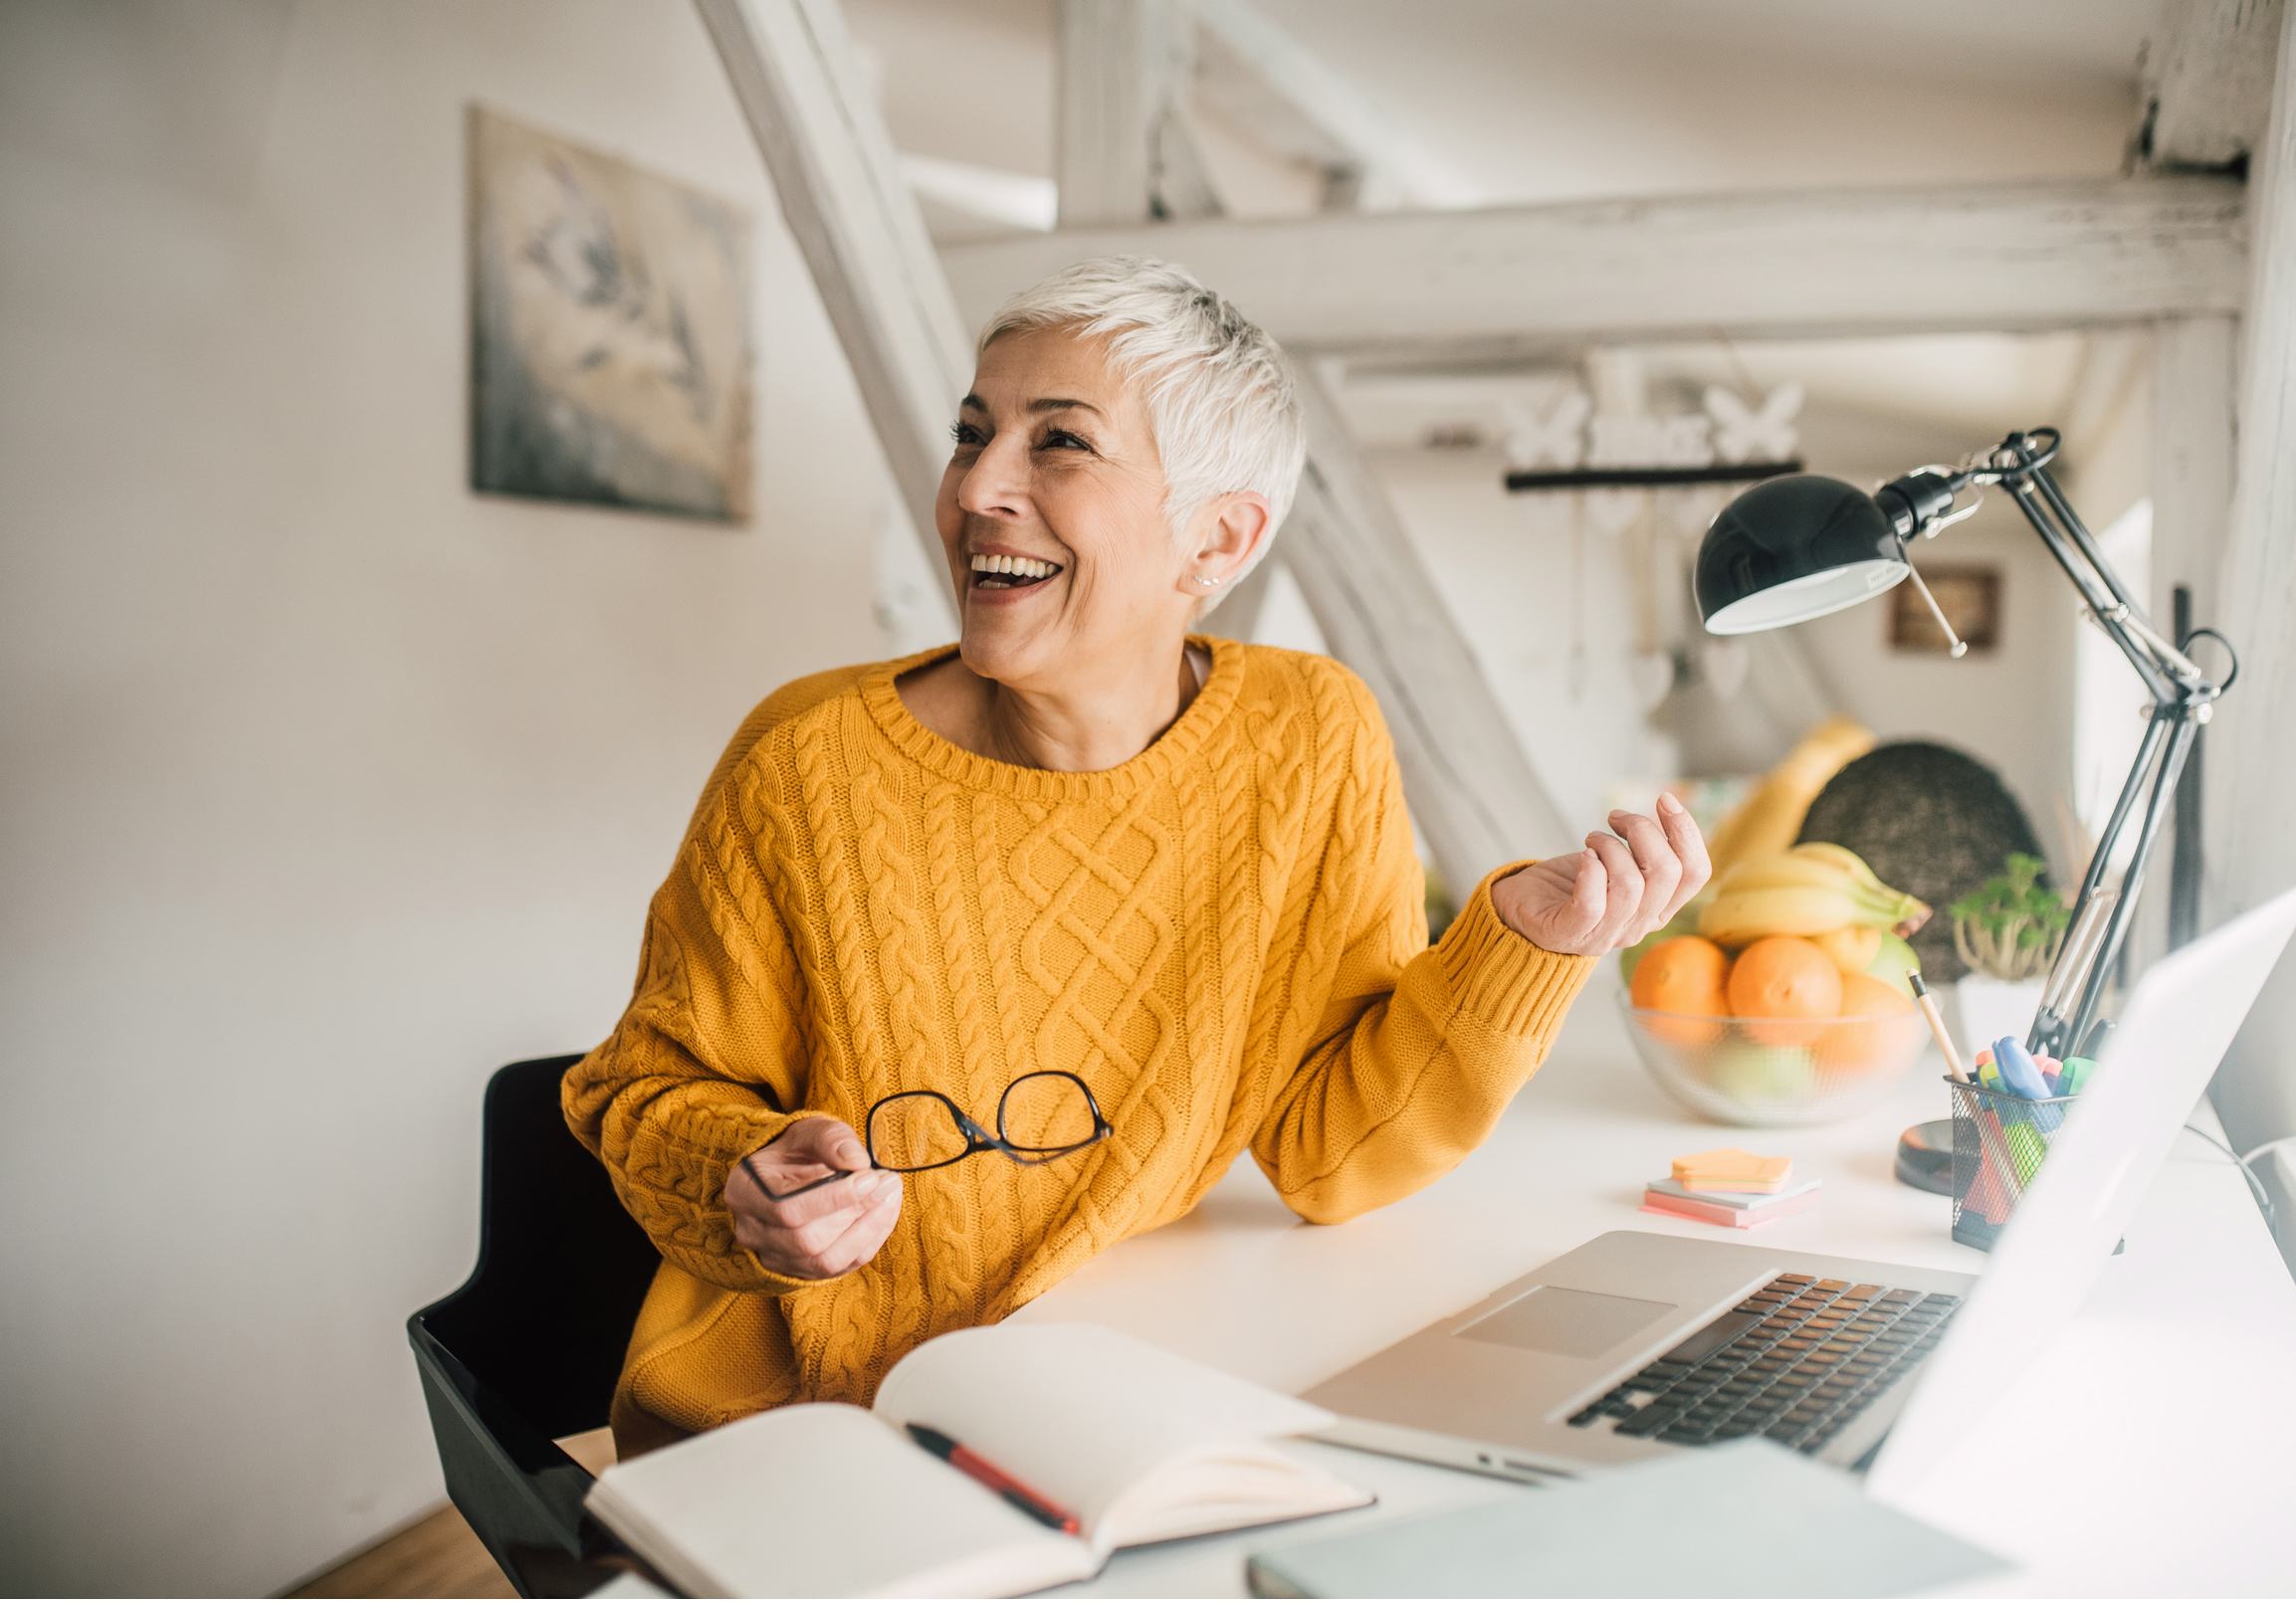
(1184, 185)
(799, 84)
(1122, 77)
(2192, 477)
(1258, 79)
(2208, 83)
(1001, 199)
(2251, 763)
(2007, 257)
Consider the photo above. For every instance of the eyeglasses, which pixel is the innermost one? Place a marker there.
(1040, 1118)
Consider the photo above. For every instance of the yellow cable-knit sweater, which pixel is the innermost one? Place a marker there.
(1225, 937)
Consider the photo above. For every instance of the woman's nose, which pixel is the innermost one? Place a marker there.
(997, 485)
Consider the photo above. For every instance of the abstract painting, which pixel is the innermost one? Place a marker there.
(610, 355)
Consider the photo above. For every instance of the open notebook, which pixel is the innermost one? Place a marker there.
(826, 1500)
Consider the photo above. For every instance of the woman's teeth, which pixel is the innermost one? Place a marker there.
(1010, 572)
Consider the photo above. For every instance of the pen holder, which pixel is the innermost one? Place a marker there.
(1999, 1144)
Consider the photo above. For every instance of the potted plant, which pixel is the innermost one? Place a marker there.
(2007, 933)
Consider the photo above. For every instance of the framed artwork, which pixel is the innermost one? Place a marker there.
(1969, 595)
(610, 352)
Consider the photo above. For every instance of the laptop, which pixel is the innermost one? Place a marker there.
(1637, 1345)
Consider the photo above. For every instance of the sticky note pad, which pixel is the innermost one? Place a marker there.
(1743, 1201)
(1708, 1212)
(1732, 1168)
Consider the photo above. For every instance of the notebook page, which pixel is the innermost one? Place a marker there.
(824, 1499)
(1081, 1412)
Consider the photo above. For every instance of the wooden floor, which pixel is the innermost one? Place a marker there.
(438, 1555)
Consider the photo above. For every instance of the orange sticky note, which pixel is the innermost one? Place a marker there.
(1731, 1169)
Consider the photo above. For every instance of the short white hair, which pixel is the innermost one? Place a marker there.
(1221, 395)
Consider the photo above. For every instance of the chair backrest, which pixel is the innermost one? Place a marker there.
(528, 1349)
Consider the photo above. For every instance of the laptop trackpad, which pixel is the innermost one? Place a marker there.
(1571, 1324)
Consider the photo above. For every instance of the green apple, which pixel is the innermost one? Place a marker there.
(1754, 1074)
(1893, 962)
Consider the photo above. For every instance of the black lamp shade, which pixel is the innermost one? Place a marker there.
(1793, 548)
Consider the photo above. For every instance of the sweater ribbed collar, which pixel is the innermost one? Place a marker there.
(1173, 747)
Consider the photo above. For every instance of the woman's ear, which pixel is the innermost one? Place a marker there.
(1228, 533)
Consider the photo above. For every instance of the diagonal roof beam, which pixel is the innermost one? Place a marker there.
(1472, 788)
(1528, 279)
(842, 191)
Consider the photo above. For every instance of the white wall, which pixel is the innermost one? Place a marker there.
(329, 785)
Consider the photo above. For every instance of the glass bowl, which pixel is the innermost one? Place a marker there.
(1777, 1071)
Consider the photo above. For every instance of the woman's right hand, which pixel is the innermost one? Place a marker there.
(824, 1232)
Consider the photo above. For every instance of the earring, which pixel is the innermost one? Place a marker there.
(1205, 581)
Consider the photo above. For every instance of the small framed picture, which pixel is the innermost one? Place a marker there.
(1969, 595)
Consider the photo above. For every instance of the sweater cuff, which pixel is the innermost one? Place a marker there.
(759, 1277)
(717, 1145)
(1516, 986)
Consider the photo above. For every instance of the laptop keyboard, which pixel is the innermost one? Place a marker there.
(1795, 1361)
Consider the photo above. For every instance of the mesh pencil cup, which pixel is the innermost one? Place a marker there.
(2000, 1142)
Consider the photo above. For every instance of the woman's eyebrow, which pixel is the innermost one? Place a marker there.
(1052, 403)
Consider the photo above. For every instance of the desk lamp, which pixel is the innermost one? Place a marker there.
(1795, 548)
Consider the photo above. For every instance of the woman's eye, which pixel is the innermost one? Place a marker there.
(1065, 440)
(964, 434)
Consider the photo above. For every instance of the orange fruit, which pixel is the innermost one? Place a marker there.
(1682, 976)
(1786, 989)
(1879, 1025)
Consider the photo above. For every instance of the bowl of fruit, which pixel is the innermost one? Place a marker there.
(1782, 997)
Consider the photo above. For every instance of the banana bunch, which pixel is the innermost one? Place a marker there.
(1815, 889)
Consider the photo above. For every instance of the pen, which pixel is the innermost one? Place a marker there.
(964, 1458)
(1991, 1143)
(1921, 993)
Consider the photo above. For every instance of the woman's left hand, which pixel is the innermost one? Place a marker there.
(1619, 890)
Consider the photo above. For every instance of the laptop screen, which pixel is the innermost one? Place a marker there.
(2171, 1034)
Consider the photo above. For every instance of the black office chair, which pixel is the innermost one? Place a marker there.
(528, 1350)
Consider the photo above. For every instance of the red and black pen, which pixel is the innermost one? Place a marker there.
(1027, 1498)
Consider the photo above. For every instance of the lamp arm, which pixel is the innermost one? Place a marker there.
(2183, 698)
(2100, 587)
(2125, 611)
(2060, 1028)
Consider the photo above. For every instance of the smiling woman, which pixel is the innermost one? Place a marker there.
(1080, 840)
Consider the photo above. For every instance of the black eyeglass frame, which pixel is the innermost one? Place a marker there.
(976, 1139)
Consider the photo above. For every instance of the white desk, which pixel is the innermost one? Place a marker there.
(2150, 1450)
